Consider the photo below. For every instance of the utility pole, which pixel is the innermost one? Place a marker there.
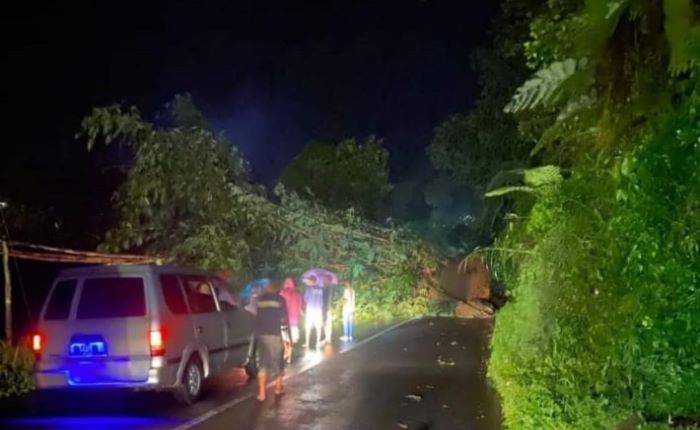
(8, 292)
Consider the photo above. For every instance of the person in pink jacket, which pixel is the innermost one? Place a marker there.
(295, 303)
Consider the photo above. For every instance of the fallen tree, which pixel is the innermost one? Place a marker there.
(186, 196)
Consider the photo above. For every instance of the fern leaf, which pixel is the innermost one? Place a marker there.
(531, 181)
(498, 192)
(545, 86)
(542, 176)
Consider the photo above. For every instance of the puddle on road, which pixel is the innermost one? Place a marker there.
(313, 395)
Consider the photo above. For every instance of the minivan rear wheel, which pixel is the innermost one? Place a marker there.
(192, 382)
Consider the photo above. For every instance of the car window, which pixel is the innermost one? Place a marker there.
(58, 307)
(199, 295)
(224, 295)
(172, 292)
(115, 297)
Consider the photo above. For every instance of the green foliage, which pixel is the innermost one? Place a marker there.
(545, 87)
(603, 69)
(16, 365)
(680, 17)
(665, 427)
(341, 176)
(391, 272)
(535, 180)
(185, 197)
(178, 193)
(604, 274)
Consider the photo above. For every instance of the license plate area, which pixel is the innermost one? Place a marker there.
(87, 346)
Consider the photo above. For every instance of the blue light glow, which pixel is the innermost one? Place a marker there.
(61, 423)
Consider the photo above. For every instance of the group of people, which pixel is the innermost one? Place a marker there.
(278, 316)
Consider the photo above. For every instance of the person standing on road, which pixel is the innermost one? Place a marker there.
(272, 338)
(313, 300)
(348, 311)
(328, 289)
(250, 295)
(251, 292)
(295, 303)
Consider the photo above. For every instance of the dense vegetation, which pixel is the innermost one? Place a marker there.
(341, 176)
(603, 264)
(186, 197)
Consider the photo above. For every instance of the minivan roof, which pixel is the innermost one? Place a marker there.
(125, 269)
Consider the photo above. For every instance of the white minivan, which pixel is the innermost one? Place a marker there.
(140, 327)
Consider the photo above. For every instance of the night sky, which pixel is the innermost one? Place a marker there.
(273, 75)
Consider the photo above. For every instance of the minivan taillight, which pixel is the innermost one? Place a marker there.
(36, 345)
(157, 343)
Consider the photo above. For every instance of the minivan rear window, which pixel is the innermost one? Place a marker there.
(58, 307)
(112, 298)
(199, 294)
(174, 298)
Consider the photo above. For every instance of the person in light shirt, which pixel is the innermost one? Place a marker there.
(348, 311)
(328, 283)
(313, 301)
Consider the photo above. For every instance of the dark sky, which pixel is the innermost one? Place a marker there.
(271, 74)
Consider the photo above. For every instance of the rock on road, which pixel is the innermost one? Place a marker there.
(424, 374)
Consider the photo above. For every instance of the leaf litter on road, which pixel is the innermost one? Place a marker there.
(445, 361)
(415, 397)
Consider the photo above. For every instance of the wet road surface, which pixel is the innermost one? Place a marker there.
(426, 374)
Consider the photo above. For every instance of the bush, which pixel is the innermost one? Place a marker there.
(605, 276)
(16, 365)
(400, 296)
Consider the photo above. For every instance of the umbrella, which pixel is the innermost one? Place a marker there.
(319, 274)
(257, 284)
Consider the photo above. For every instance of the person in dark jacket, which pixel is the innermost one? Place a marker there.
(273, 338)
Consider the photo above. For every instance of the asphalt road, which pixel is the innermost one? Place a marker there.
(427, 374)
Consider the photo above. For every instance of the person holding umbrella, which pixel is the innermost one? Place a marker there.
(313, 300)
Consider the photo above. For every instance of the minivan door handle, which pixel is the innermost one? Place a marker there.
(200, 329)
